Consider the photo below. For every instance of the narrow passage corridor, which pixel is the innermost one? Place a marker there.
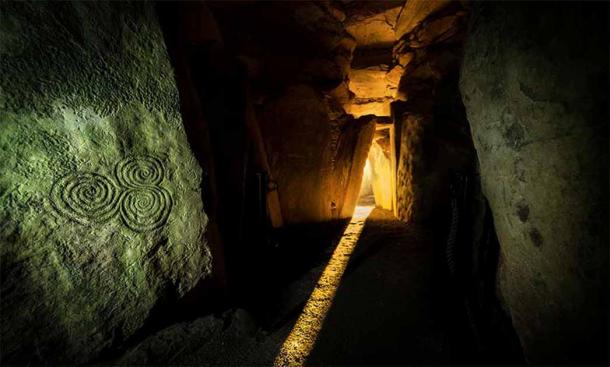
(384, 309)
(304, 183)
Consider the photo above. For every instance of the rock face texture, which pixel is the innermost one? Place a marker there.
(230, 340)
(100, 205)
(414, 13)
(371, 80)
(372, 24)
(317, 162)
(534, 81)
(299, 84)
(381, 169)
(411, 168)
(432, 131)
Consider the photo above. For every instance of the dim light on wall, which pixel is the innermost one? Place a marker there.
(302, 338)
(366, 188)
(367, 169)
(380, 176)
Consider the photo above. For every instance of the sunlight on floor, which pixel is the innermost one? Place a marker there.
(303, 336)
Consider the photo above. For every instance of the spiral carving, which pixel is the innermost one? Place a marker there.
(144, 209)
(89, 197)
(139, 171)
(85, 197)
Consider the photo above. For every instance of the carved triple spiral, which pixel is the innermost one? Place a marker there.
(89, 197)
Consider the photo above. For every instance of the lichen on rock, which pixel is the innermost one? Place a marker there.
(100, 201)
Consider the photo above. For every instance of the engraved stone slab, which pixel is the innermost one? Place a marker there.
(101, 214)
(89, 197)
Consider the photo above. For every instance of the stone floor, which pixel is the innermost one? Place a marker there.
(384, 312)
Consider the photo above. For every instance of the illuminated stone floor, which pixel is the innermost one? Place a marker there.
(372, 304)
(302, 338)
(384, 311)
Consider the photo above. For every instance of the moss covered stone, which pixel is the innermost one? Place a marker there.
(101, 214)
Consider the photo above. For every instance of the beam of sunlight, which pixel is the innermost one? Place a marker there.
(302, 338)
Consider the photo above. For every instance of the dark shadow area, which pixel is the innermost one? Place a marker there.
(384, 310)
(466, 263)
(294, 251)
(418, 310)
(290, 254)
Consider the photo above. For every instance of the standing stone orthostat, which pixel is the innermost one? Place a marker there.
(101, 214)
(535, 87)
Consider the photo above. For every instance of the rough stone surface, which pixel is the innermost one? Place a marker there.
(369, 82)
(311, 48)
(375, 289)
(436, 30)
(428, 108)
(414, 12)
(534, 82)
(354, 146)
(100, 204)
(230, 340)
(372, 23)
(374, 88)
(431, 148)
(316, 162)
(372, 26)
(370, 106)
(313, 145)
(410, 173)
(381, 169)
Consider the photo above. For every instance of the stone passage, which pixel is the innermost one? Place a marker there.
(92, 198)
(302, 338)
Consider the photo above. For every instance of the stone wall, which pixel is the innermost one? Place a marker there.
(432, 136)
(355, 144)
(410, 172)
(317, 163)
(535, 87)
(298, 82)
(381, 168)
(100, 205)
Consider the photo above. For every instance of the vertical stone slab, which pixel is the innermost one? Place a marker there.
(101, 215)
(298, 138)
(359, 142)
(410, 202)
(317, 162)
(381, 168)
(535, 87)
